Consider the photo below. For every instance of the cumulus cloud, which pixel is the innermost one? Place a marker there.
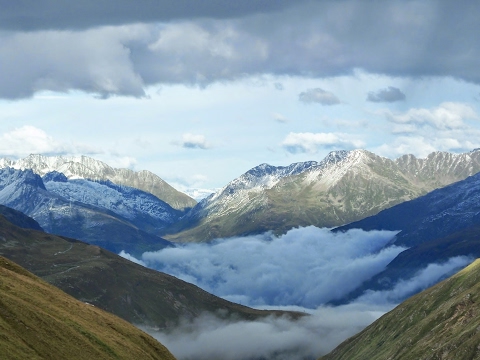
(26, 140)
(209, 337)
(322, 266)
(390, 94)
(318, 96)
(194, 141)
(447, 116)
(420, 130)
(311, 142)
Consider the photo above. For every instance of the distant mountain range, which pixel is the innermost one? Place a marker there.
(344, 187)
(439, 323)
(114, 217)
(86, 199)
(84, 167)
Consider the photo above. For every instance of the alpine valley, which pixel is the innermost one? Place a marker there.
(66, 219)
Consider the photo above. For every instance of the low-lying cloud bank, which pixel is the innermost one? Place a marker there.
(301, 271)
(209, 337)
(306, 267)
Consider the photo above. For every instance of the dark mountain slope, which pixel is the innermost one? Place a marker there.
(442, 322)
(437, 214)
(438, 226)
(91, 274)
(38, 321)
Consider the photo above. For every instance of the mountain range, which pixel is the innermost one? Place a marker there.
(84, 167)
(101, 213)
(344, 187)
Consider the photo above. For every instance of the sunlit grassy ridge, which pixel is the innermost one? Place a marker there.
(39, 321)
(442, 322)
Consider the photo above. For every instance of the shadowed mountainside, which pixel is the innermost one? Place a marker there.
(97, 276)
(39, 321)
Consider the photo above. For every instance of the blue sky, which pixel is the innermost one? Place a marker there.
(199, 94)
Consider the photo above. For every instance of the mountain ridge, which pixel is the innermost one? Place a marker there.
(344, 187)
(88, 168)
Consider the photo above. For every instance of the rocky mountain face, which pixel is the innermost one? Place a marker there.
(39, 321)
(91, 274)
(102, 214)
(439, 323)
(344, 187)
(83, 167)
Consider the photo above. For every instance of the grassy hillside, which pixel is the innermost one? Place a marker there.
(94, 275)
(442, 322)
(38, 321)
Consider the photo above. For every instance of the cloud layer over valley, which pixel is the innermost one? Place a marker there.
(302, 271)
(306, 267)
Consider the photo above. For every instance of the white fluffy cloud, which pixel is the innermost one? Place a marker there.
(28, 140)
(447, 116)
(420, 131)
(312, 142)
(194, 141)
(306, 267)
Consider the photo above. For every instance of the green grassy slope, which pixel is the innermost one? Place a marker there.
(38, 321)
(442, 322)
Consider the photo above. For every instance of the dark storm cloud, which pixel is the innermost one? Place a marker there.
(390, 94)
(208, 43)
(60, 14)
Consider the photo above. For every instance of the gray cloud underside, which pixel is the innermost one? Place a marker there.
(60, 14)
(319, 39)
(391, 94)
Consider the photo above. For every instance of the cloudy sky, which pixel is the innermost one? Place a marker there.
(200, 92)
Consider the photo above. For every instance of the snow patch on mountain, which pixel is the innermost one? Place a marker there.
(125, 201)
